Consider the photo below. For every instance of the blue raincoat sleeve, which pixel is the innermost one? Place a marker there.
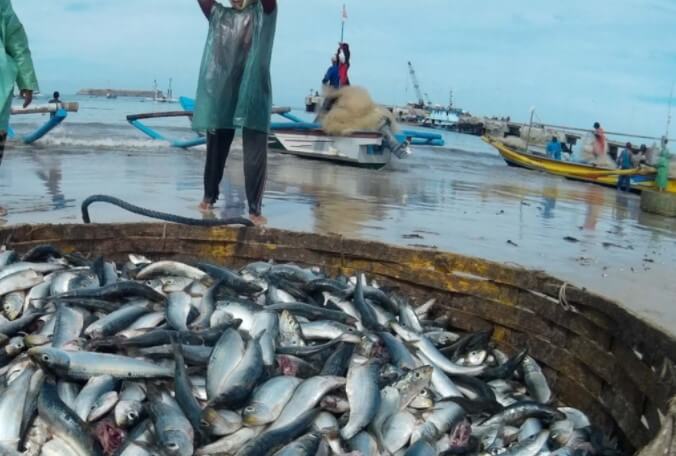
(234, 88)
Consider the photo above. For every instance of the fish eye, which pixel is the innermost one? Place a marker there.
(132, 415)
(172, 446)
(45, 358)
(250, 409)
(417, 375)
(204, 423)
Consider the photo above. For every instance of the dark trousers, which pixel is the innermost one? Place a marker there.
(3, 138)
(624, 183)
(255, 165)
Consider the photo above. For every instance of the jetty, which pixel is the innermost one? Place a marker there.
(121, 93)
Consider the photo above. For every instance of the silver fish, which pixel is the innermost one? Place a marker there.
(231, 443)
(290, 334)
(83, 365)
(227, 354)
(397, 430)
(118, 320)
(535, 380)
(269, 400)
(36, 298)
(12, 304)
(306, 397)
(266, 330)
(40, 268)
(413, 383)
(178, 310)
(12, 402)
(530, 447)
(174, 432)
(222, 422)
(19, 281)
(102, 406)
(237, 386)
(329, 330)
(68, 325)
(363, 394)
(174, 268)
(64, 423)
(94, 389)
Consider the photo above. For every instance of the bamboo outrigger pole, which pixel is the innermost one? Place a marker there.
(47, 109)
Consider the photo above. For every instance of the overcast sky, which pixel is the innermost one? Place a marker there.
(576, 61)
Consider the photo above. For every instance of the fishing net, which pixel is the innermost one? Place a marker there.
(587, 153)
(352, 109)
(540, 136)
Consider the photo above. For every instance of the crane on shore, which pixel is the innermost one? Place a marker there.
(418, 91)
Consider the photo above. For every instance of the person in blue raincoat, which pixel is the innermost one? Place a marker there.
(16, 67)
(235, 91)
(554, 149)
(625, 161)
(332, 77)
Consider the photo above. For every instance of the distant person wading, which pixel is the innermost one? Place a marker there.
(235, 91)
(16, 67)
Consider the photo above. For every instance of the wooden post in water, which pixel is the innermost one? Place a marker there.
(530, 126)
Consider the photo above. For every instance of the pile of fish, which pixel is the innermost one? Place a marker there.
(167, 358)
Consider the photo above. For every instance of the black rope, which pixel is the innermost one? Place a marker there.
(158, 215)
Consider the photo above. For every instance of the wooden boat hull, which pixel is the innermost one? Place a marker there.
(598, 358)
(641, 178)
(362, 149)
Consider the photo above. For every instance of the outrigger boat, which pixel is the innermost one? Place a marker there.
(642, 178)
(58, 113)
(304, 139)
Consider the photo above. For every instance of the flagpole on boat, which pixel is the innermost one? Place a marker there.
(671, 100)
(342, 28)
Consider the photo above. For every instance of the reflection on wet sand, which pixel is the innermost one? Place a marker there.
(49, 172)
(595, 199)
(340, 203)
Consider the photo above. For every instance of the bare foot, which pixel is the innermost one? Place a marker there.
(258, 220)
(205, 206)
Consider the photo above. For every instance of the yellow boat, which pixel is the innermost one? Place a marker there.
(642, 178)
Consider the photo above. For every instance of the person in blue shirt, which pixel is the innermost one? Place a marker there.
(554, 149)
(624, 161)
(332, 77)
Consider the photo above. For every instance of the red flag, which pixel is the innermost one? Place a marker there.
(344, 12)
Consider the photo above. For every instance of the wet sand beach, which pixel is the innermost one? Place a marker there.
(461, 198)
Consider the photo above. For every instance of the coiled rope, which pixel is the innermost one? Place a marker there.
(158, 215)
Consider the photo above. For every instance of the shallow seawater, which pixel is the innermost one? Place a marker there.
(460, 198)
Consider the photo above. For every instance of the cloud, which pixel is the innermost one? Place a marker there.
(656, 99)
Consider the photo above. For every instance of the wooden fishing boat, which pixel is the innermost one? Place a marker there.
(295, 137)
(597, 356)
(360, 149)
(641, 178)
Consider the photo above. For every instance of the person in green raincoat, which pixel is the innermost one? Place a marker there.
(16, 66)
(662, 179)
(235, 91)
